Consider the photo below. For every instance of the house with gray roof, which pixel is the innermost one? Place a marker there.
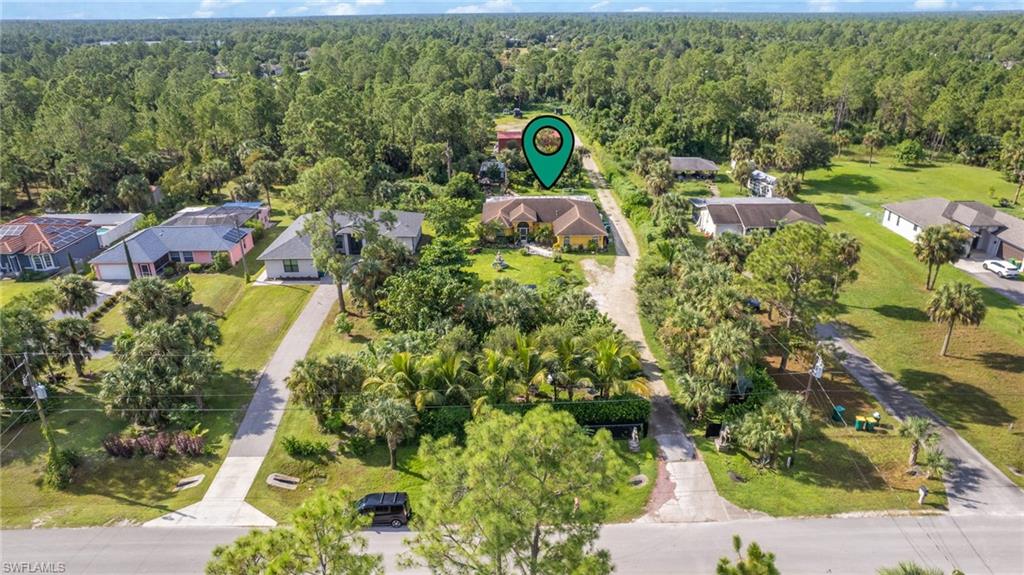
(993, 232)
(152, 249)
(290, 256)
(690, 166)
(715, 216)
(228, 214)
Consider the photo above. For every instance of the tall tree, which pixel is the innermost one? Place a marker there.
(389, 418)
(322, 538)
(149, 299)
(1011, 160)
(938, 245)
(73, 339)
(326, 191)
(561, 473)
(873, 140)
(956, 303)
(74, 294)
(323, 385)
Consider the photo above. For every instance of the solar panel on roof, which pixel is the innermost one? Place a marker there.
(12, 230)
(234, 235)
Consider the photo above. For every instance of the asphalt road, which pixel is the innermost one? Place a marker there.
(974, 544)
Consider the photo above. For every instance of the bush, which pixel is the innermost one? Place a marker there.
(358, 445)
(310, 448)
(195, 268)
(446, 420)
(221, 262)
(60, 468)
(257, 229)
(190, 444)
(119, 446)
(342, 325)
(158, 445)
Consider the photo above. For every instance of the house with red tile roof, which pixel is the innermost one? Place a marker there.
(45, 243)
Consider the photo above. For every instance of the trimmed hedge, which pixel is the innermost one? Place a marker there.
(622, 410)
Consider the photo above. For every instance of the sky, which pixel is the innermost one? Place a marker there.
(146, 9)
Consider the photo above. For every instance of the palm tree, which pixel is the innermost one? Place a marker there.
(450, 374)
(404, 376)
(721, 354)
(617, 368)
(496, 378)
(761, 431)
(937, 245)
(793, 411)
(700, 394)
(202, 329)
(73, 340)
(936, 464)
(392, 418)
(569, 366)
(872, 141)
(921, 432)
(527, 365)
(75, 294)
(956, 303)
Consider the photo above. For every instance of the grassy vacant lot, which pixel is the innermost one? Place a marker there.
(370, 473)
(107, 490)
(329, 342)
(979, 387)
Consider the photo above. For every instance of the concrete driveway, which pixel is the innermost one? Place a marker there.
(1012, 289)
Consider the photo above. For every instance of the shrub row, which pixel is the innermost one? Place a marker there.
(158, 445)
(95, 315)
(621, 410)
(297, 447)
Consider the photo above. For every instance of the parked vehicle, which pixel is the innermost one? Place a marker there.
(386, 508)
(1002, 268)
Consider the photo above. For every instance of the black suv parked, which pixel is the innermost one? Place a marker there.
(387, 508)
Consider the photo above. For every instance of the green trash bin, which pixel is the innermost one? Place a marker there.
(869, 424)
(859, 424)
(837, 413)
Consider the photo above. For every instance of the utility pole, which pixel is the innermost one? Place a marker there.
(30, 383)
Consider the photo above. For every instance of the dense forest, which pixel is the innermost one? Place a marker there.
(95, 112)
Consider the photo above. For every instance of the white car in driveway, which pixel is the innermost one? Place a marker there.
(1001, 268)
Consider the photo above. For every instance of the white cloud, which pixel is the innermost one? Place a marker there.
(369, 2)
(298, 9)
(271, 12)
(485, 7)
(933, 4)
(639, 9)
(822, 5)
(208, 8)
(339, 9)
(600, 5)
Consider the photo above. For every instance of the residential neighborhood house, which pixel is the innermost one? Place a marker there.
(692, 167)
(227, 214)
(109, 227)
(492, 173)
(45, 244)
(290, 256)
(993, 232)
(508, 139)
(761, 184)
(153, 248)
(574, 220)
(715, 216)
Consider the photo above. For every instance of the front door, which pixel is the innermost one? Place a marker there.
(524, 232)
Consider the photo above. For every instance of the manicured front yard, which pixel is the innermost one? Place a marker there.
(330, 342)
(533, 269)
(10, 289)
(110, 491)
(977, 388)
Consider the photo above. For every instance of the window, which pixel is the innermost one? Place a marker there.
(915, 227)
(145, 270)
(175, 256)
(42, 262)
(187, 257)
(291, 266)
(888, 216)
(898, 220)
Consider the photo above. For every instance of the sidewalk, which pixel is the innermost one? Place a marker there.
(224, 504)
(691, 493)
(975, 486)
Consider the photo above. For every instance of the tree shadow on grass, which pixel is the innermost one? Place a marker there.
(910, 169)
(1002, 361)
(846, 183)
(824, 462)
(905, 313)
(956, 401)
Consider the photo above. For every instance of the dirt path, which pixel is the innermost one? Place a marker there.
(686, 492)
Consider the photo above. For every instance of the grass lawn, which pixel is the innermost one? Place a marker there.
(109, 491)
(836, 469)
(10, 289)
(329, 342)
(978, 388)
(370, 473)
(533, 269)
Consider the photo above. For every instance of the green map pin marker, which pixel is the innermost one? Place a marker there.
(547, 167)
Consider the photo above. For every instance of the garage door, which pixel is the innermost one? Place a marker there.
(113, 272)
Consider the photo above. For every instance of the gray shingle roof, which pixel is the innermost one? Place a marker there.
(688, 164)
(151, 244)
(761, 212)
(938, 211)
(293, 244)
(99, 219)
(228, 214)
